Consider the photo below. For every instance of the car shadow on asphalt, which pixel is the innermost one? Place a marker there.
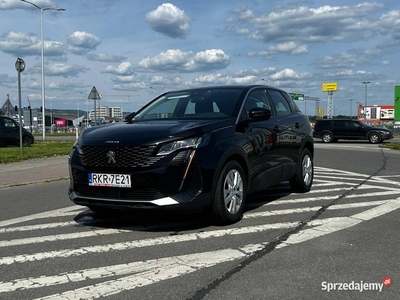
(163, 221)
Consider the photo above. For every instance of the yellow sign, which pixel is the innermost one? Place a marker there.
(329, 86)
(320, 112)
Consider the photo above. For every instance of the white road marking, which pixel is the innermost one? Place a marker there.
(38, 227)
(148, 272)
(68, 236)
(142, 273)
(192, 261)
(47, 214)
(60, 237)
(142, 243)
(312, 209)
(328, 226)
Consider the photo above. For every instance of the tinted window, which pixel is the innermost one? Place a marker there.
(256, 99)
(280, 104)
(9, 123)
(321, 125)
(340, 124)
(292, 103)
(210, 103)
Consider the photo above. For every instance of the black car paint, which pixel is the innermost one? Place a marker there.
(342, 129)
(10, 135)
(268, 151)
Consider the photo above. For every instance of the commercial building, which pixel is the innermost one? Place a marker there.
(106, 112)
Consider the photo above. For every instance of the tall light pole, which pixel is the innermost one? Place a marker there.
(87, 108)
(351, 102)
(365, 99)
(42, 9)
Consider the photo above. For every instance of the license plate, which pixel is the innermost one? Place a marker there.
(110, 180)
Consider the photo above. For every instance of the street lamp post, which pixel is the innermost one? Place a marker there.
(351, 102)
(42, 9)
(87, 108)
(20, 67)
(365, 99)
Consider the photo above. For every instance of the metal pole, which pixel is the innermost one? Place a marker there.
(20, 111)
(351, 102)
(95, 112)
(20, 67)
(365, 99)
(43, 96)
(42, 54)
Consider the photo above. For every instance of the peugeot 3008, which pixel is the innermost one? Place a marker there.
(199, 149)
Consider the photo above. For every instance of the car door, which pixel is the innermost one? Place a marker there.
(339, 129)
(355, 131)
(291, 126)
(2, 132)
(264, 157)
(11, 130)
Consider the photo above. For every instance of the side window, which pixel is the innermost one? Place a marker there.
(256, 98)
(280, 104)
(339, 124)
(353, 125)
(9, 123)
(292, 103)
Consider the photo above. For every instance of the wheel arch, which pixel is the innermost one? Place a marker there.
(232, 154)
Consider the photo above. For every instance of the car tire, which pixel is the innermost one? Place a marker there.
(26, 142)
(327, 137)
(374, 138)
(302, 181)
(230, 194)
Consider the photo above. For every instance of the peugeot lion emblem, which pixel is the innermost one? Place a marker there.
(111, 157)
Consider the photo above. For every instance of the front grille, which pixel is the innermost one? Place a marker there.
(125, 157)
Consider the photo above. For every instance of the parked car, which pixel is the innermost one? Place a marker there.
(9, 133)
(331, 130)
(198, 149)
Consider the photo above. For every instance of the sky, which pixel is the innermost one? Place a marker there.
(132, 51)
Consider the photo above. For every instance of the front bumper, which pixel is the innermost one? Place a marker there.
(175, 182)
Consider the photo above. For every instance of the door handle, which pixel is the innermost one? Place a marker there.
(277, 129)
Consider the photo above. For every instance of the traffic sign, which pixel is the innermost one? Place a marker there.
(94, 94)
(297, 96)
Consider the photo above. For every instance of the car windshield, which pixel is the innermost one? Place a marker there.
(215, 103)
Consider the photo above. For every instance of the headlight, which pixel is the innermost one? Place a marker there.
(177, 145)
(383, 132)
(78, 147)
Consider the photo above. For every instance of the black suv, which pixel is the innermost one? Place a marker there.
(332, 130)
(202, 148)
(9, 133)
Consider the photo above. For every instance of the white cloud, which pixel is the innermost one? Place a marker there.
(81, 42)
(124, 68)
(174, 59)
(169, 20)
(289, 74)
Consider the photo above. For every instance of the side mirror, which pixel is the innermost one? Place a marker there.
(128, 118)
(259, 114)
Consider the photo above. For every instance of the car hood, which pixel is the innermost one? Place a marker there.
(379, 129)
(148, 132)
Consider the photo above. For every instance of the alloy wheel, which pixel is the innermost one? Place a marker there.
(233, 191)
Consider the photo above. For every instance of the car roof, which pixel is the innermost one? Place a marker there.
(239, 86)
